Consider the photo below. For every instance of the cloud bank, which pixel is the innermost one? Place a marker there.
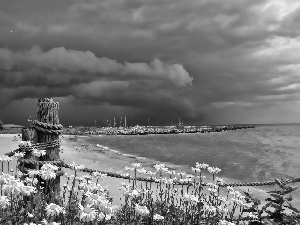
(203, 61)
(90, 80)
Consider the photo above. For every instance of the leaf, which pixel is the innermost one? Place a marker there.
(290, 189)
(272, 200)
(277, 196)
(266, 206)
(275, 191)
(279, 183)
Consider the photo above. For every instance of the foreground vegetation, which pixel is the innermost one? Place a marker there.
(29, 198)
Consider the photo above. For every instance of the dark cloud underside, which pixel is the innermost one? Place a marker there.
(203, 61)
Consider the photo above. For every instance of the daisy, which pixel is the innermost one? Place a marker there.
(141, 210)
(158, 217)
(47, 174)
(54, 210)
(27, 190)
(87, 213)
(4, 202)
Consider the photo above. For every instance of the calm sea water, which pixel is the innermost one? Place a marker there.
(258, 154)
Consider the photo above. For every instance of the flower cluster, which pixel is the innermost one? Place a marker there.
(158, 217)
(74, 166)
(5, 158)
(38, 153)
(161, 167)
(92, 187)
(99, 175)
(53, 210)
(190, 198)
(4, 202)
(25, 144)
(13, 186)
(47, 171)
(96, 206)
(213, 170)
(201, 165)
(19, 155)
(141, 210)
(224, 222)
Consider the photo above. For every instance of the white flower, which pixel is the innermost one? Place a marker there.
(4, 202)
(32, 173)
(158, 217)
(159, 167)
(27, 190)
(129, 168)
(224, 222)
(25, 144)
(76, 167)
(87, 213)
(87, 177)
(142, 171)
(5, 158)
(230, 189)
(170, 181)
(247, 205)
(196, 169)
(49, 166)
(219, 181)
(210, 209)
(181, 174)
(38, 153)
(190, 198)
(47, 174)
(19, 155)
(101, 216)
(12, 187)
(151, 173)
(31, 180)
(106, 208)
(51, 223)
(93, 199)
(252, 216)
(201, 165)
(54, 210)
(213, 170)
(141, 210)
(5, 178)
(134, 194)
(136, 165)
(99, 175)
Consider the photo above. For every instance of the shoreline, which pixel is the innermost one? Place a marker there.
(78, 149)
(116, 162)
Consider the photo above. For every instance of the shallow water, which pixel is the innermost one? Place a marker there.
(258, 154)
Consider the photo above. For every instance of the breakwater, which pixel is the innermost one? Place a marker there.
(147, 130)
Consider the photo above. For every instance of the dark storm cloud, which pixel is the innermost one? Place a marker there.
(205, 60)
(61, 73)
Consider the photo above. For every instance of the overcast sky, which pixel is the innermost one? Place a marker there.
(204, 61)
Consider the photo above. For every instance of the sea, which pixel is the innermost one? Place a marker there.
(255, 154)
